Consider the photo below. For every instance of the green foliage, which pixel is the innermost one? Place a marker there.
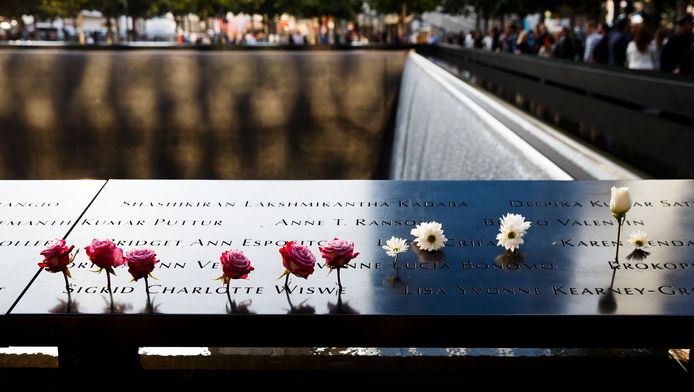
(58, 8)
(212, 7)
(485, 8)
(205, 7)
(145, 8)
(262, 7)
(70, 8)
(107, 7)
(17, 8)
(341, 8)
(308, 8)
(495, 8)
(395, 6)
(177, 7)
(346, 9)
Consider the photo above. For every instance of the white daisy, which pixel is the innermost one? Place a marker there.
(417, 231)
(513, 228)
(429, 236)
(394, 246)
(639, 239)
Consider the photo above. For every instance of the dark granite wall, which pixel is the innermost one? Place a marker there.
(196, 114)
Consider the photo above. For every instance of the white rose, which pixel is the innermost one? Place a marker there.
(620, 202)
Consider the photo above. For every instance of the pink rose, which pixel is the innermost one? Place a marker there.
(235, 265)
(338, 253)
(105, 254)
(56, 257)
(140, 262)
(298, 259)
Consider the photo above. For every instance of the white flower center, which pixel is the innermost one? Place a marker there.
(638, 243)
(511, 235)
(431, 238)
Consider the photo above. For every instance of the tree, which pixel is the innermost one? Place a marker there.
(483, 9)
(499, 8)
(342, 9)
(136, 9)
(176, 7)
(110, 9)
(14, 9)
(66, 9)
(571, 8)
(403, 8)
(396, 6)
(260, 7)
(346, 9)
(63, 8)
(17, 8)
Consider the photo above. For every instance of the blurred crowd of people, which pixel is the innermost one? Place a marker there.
(625, 44)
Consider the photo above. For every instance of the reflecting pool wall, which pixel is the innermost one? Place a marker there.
(196, 114)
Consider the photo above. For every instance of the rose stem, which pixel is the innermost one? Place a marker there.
(339, 282)
(619, 232)
(395, 267)
(286, 291)
(229, 294)
(110, 294)
(149, 302)
(67, 288)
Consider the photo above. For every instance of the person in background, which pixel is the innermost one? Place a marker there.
(297, 38)
(687, 64)
(580, 40)
(495, 42)
(547, 47)
(601, 51)
(661, 35)
(451, 37)
(508, 39)
(544, 41)
(522, 45)
(541, 37)
(470, 40)
(513, 38)
(594, 33)
(566, 46)
(677, 45)
(503, 39)
(617, 43)
(642, 52)
(531, 40)
(477, 35)
(488, 41)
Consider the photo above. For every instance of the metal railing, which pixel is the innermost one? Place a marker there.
(643, 118)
